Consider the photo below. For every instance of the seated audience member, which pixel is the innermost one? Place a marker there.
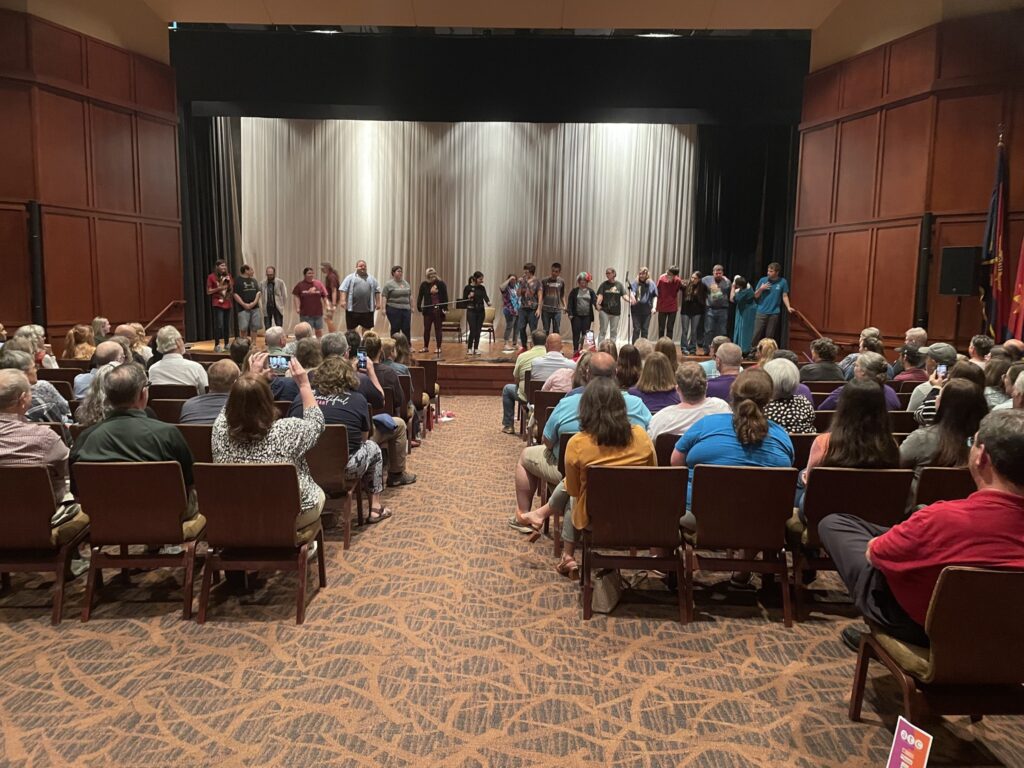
(935, 355)
(609, 347)
(1018, 394)
(912, 364)
(94, 406)
(999, 352)
(47, 403)
(711, 366)
(275, 340)
(403, 349)
(667, 347)
(125, 334)
(995, 373)
(891, 573)
(308, 353)
(32, 339)
(204, 409)
(657, 384)
(925, 413)
(793, 412)
(388, 353)
(869, 366)
(238, 350)
(396, 439)
(78, 343)
(336, 392)
(744, 438)
(106, 352)
(627, 367)
(870, 344)
(100, 329)
(801, 388)
(248, 431)
(846, 364)
(823, 366)
(1009, 386)
(562, 379)
(605, 438)
(173, 368)
(513, 393)
(1015, 349)
(138, 344)
(3, 335)
(765, 351)
(914, 337)
(551, 360)
(727, 361)
(693, 386)
(960, 407)
(337, 344)
(979, 349)
(645, 347)
(299, 332)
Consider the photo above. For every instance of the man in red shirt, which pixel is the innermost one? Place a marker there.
(667, 303)
(891, 573)
(219, 287)
(311, 302)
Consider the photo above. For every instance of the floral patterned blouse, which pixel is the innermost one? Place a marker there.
(793, 414)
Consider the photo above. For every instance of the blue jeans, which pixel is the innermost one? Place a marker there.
(641, 320)
(552, 320)
(716, 321)
(510, 326)
(691, 332)
(509, 398)
(527, 317)
(400, 320)
(221, 325)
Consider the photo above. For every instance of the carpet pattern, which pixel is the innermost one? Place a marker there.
(443, 639)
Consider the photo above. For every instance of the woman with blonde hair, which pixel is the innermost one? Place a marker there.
(79, 343)
(657, 384)
(765, 350)
(100, 329)
(139, 345)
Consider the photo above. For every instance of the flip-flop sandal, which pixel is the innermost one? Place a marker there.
(383, 513)
(568, 568)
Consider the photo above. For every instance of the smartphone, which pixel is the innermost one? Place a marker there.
(361, 359)
(590, 338)
(278, 364)
(940, 371)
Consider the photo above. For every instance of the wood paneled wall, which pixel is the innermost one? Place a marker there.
(90, 132)
(901, 130)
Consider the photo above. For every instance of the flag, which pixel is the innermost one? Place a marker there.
(1016, 322)
(994, 291)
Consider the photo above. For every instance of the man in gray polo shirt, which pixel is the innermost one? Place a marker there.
(360, 294)
(936, 354)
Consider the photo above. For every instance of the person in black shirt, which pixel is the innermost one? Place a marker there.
(475, 298)
(247, 298)
(431, 301)
(609, 305)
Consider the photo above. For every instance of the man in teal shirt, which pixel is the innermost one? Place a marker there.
(770, 294)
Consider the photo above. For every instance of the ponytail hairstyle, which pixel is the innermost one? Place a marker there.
(750, 393)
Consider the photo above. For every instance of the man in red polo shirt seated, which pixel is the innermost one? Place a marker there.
(891, 573)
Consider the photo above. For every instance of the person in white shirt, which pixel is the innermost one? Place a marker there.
(300, 331)
(551, 361)
(173, 368)
(693, 387)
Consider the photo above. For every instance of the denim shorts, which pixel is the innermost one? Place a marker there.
(316, 322)
(249, 320)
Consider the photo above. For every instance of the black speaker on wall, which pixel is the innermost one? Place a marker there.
(958, 270)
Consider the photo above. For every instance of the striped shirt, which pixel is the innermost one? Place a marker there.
(23, 443)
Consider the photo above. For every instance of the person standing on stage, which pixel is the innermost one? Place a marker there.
(219, 287)
(360, 293)
(667, 294)
(580, 308)
(742, 295)
(609, 305)
(510, 308)
(310, 301)
(431, 302)
(716, 314)
(247, 298)
(691, 314)
(529, 290)
(642, 293)
(771, 293)
(274, 299)
(331, 282)
(475, 298)
(553, 291)
(397, 295)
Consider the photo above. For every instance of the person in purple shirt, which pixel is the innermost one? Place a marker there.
(657, 384)
(727, 361)
(869, 366)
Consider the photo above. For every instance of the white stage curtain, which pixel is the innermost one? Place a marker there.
(465, 196)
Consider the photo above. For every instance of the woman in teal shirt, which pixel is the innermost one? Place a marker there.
(746, 309)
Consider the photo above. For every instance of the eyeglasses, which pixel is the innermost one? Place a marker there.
(971, 441)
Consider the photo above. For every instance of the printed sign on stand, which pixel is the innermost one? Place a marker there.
(910, 746)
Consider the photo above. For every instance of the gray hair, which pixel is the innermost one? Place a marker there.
(717, 342)
(302, 331)
(873, 365)
(1018, 384)
(1001, 434)
(274, 336)
(917, 335)
(729, 355)
(167, 339)
(785, 376)
(124, 385)
(95, 407)
(645, 347)
(13, 386)
(334, 344)
(32, 333)
(16, 359)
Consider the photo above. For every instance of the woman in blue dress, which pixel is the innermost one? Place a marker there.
(742, 296)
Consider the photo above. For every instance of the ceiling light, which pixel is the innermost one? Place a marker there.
(326, 31)
(658, 34)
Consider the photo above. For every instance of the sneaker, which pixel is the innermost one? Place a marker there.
(509, 430)
(515, 525)
(406, 478)
(218, 348)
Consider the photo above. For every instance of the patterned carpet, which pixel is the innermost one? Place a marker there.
(442, 639)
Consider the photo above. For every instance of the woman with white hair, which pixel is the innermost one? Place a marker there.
(792, 412)
(36, 336)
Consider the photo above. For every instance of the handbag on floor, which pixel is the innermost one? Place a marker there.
(608, 588)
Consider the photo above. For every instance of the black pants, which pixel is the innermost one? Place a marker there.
(400, 320)
(765, 326)
(273, 318)
(355, 319)
(580, 326)
(221, 325)
(666, 324)
(846, 538)
(435, 319)
(475, 320)
(641, 321)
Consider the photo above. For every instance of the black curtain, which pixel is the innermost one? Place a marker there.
(744, 199)
(211, 210)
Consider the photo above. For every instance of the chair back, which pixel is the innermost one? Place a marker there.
(328, 458)
(817, 398)
(542, 420)
(823, 386)
(282, 406)
(73, 405)
(563, 441)
(171, 391)
(903, 421)
(418, 375)
(823, 420)
(906, 386)
(742, 507)
(57, 374)
(28, 507)
(200, 440)
(944, 484)
(664, 444)
(801, 448)
(620, 517)
(532, 389)
(263, 516)
(899, 437)
(406, 382)
(137, 502)
(167, 410)
(63, 389)
(77, 365)
(974, 630)
(430, 376)
(453, 317)
(544, 400)
(904, 399)
(876, 495)
(489, 313)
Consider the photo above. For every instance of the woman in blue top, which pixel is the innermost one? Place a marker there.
(744, 438)
(742, 296)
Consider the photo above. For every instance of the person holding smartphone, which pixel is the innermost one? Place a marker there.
(219, 287)
(475, 297)
(580, 308)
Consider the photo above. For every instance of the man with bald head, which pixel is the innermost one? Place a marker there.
(204, 409)
(552, 359)
(727, 362)
(106, 352)
(301, 331)
(1015, 348)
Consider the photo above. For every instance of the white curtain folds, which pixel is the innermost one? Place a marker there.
(465, 196)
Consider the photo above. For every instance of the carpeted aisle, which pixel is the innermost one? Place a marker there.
(442, 639)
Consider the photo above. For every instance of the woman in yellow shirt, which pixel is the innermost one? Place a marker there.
(606, 438)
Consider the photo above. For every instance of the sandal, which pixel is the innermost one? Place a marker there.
(382, 513)
(568, 568)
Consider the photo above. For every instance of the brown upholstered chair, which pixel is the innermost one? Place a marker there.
(167, 410)
(73, 405)
(58, 374)
(944, 484)
(541, 402)
(973, 666)
(488, 326)
(453, 322)
(171, 391)
(621, 519)
(903, 421)
(664, 444)
(27, 541)
(431, 386)
(817, 398)
(521, 407)
(801, 448)
(63, 389)
(904, 399)
(200, 440)
(140, 502)
(823, 386)
(403, 407)
(77, 365)
(327, 461)
(243, 536)
(905, 386)
(556, 519)
(282, 406)
(752, 515)
(837, 490)
(823, 420)
(899, 437)
(420, 398)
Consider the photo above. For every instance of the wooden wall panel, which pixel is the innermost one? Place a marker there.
(893, 277)
(863, 79)
(15, 288)
(57, 53)
(912, 63)
(117, 270)
(67, 266)
(942, 309)
(976, 45)
(113, 160)
(17, 172)
(855, 174)
(810, 272)
(13, 42)
(848, 290)
(1016, 153)
(904, 159)
(154, 85)
(63, 175)
(108, 70)
(163, 277)
(158, 169)
(821, 93)
(817, 161)
(966, 130)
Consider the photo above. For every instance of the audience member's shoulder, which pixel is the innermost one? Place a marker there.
(716, 405)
